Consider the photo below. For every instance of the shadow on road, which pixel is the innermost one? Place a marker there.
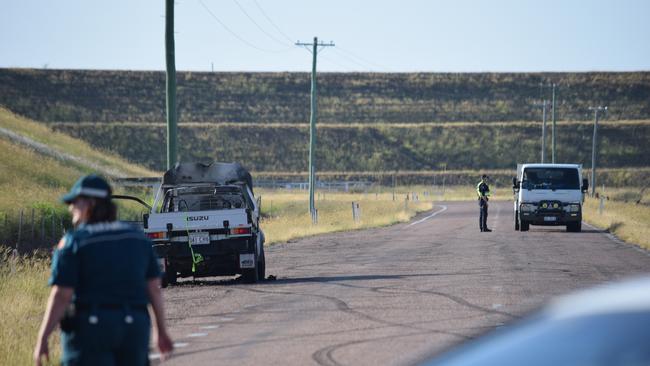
(317, 279)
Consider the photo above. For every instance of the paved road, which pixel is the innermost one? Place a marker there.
(389, 296)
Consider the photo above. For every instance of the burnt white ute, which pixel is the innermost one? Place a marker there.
(205, 222)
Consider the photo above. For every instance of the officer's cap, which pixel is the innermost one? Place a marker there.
(484, 176)
(88, 186)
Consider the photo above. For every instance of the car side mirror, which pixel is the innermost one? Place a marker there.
(585, 185)
(515, 183)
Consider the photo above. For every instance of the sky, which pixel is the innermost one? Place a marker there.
(369, 35)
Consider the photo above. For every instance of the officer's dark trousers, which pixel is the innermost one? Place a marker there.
(110, 342)
(483, 214)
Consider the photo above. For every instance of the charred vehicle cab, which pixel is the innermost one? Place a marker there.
(549, 194)
(205, 222)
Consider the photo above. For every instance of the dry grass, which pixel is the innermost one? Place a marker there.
(23, 296)
(622, 216)
(287, 217)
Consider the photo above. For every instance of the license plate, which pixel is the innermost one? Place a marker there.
(550, 218)
(199, 238)
(246, 261)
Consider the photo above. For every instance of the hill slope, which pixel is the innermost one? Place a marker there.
(372, 147)
(138, 96)
(36, 171)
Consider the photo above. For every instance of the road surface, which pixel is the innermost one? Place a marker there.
(389, 296)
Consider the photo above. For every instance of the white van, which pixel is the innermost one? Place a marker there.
(549, 194)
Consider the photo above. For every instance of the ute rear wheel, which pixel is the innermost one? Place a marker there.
(170, 277)
(261, 266)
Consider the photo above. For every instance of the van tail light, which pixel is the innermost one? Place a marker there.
(156, 235)
(240, 231)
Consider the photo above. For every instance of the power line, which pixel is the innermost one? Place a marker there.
(350, 53)
(272, 23)
(244, 41)
(257, 25)
(353, 60)
(330, 60)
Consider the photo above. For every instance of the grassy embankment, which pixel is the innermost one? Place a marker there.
(32, 180)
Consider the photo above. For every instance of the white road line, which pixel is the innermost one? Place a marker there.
(181, 344)
(444, 208)
(195, 335)
(154, 356)
(225, 319)
(209, 327)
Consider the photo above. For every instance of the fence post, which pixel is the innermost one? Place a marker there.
(314, 216)
(53, 228)
(600, 206)
(20, 229)
(32, 225)
(13, 260)
(406, 203)
(356, 212)
(42, 228)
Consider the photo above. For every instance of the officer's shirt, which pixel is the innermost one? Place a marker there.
(105, 263)
(483, 189)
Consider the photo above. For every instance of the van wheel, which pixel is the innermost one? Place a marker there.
(574, 227)
(516, 221)
(524, 226)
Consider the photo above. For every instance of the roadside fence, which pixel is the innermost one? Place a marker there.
(28, 229)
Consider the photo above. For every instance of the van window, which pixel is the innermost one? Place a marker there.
(551, 178)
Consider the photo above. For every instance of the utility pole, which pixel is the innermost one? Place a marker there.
(312, 118)
(553, 138)
(171, 84)
(594, 146)
(544, 106)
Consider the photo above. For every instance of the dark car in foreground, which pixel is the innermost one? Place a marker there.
(608, 325)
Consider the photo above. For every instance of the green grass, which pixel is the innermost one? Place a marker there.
(64, 143)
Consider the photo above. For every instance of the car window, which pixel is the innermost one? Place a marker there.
(607, 340)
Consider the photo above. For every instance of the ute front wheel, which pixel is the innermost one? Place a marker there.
(516, 221)
(524, 226)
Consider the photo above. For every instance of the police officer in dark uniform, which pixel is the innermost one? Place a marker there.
(104, 276)
(483, 192)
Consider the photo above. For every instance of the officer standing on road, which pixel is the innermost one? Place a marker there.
(483, 191)
(104, 274)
